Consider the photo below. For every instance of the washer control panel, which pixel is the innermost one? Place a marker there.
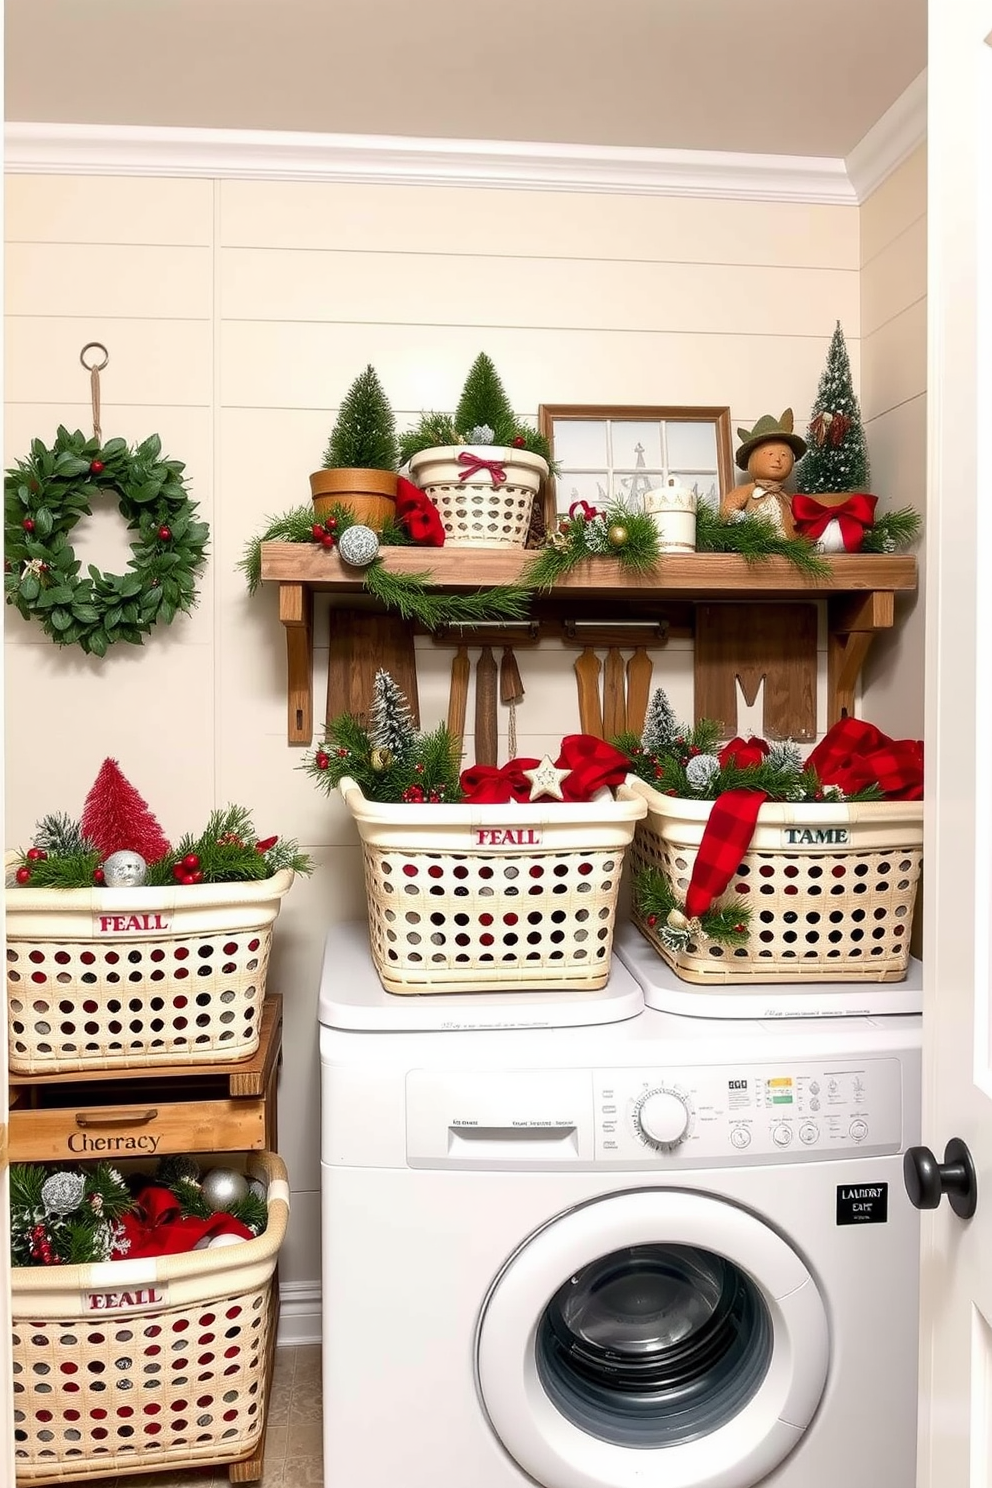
(754, 1112)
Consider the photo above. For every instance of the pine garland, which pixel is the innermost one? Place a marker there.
(413, 598)
(53, 1231)
(755, 539)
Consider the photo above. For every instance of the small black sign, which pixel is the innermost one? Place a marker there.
(862, 1203)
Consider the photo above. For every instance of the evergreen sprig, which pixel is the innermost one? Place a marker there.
(60, 833)
(429, 768)
(655, 899)
(891, 530)
(230, 852)
(70, 870)
(82, 1236)
(755, 539)
(577, 539)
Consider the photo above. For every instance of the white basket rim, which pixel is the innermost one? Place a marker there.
(774, 813)
(506, 454)
(147, 898)
(627, 807)
(27, 1281)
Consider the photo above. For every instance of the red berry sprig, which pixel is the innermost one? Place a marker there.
(28, 524)
(164, 533)
(188, 870)
(322, 760)
(23, 874)
(413, 795)
(99, 876)
(96, 467)
(518, 441)
(36, 855)
(325, 532)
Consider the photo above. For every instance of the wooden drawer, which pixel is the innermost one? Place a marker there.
(144, 1113)
(143, 1130)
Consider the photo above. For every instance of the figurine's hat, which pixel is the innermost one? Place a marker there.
(764, 431)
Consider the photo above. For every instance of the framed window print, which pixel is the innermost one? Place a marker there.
(608, 453)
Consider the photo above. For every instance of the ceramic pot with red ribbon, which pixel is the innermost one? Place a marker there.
(836, 521)
(484, 493)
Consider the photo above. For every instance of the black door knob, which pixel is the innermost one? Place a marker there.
(927, 1180)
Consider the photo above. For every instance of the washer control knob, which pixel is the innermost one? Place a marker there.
(782, 1136)
(740, 1137)
(662, 1117)
(858, 1130)
(808, 1132)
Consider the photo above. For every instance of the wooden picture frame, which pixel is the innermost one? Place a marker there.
(599, 480)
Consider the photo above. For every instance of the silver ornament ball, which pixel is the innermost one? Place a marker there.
(222, 1187)
(358, 546)
(124, 870)
(481, 434)
(62, 1193)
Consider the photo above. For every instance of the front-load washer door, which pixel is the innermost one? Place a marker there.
(656, 1336)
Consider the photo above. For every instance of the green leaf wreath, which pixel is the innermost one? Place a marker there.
(47, 493)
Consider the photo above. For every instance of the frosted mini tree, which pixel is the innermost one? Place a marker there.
(837, 457)
(364, 437)
(661, 727)
(390, 721)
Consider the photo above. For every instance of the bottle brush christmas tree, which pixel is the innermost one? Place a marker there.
(837, 456)
(364, 437)
(116, 817)
(391, 729)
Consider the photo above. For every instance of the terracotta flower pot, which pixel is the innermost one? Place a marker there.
(370, 494)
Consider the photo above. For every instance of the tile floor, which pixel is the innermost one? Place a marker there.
(293, 1456)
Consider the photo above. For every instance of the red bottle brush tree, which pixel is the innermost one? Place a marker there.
(116, 817)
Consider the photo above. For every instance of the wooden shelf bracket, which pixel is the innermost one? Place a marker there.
(854, 621)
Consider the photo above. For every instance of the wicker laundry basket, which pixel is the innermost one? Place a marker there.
(831, 888)
(481, 898)
(475, 511)
(132, 1365)
(127, 978)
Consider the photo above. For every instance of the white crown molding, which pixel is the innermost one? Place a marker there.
(108, 149)
(900, 130)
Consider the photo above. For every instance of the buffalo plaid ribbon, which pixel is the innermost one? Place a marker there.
(726, 838)
(852, 755)
(855, 754)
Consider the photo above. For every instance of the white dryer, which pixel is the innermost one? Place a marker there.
(654, 1251)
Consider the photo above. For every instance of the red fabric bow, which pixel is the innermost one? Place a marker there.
(474, 463)
(855, 754)
(812, 518)
(155, 1227)
(743, 753)
(592, 764)
(584, 510)
(418, 514)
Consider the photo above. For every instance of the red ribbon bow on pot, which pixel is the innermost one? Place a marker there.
(592, 763)
(156, 1227)
(474, 463)
(812, 518)
(418, 514)
(584, 510)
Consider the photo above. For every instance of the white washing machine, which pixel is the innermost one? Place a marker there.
(652, 1251)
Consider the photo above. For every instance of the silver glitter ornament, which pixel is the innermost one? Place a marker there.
(358, 546)
(701, 769)
(481, 434)
(62, 1192)
(124, 869)
(258, 1188)
(222, 1187)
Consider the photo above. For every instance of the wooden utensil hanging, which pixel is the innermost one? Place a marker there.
(511, 693)
(639, 669)
(587, 670)
(458, 694)
(486, 720)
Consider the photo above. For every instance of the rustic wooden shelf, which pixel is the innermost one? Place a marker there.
(860, 592)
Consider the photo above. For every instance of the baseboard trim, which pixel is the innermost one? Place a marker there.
(299, 1313)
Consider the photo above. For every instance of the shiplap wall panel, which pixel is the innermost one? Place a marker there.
(114, 280)
(439, 219)
(394, 287)
(109, 209)
(152, 362)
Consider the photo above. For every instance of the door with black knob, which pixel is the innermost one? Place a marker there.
(955, 1435)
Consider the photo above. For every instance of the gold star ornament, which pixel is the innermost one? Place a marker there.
(545, 779)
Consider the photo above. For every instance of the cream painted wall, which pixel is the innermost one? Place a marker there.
(894, 408)
(236, 314)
